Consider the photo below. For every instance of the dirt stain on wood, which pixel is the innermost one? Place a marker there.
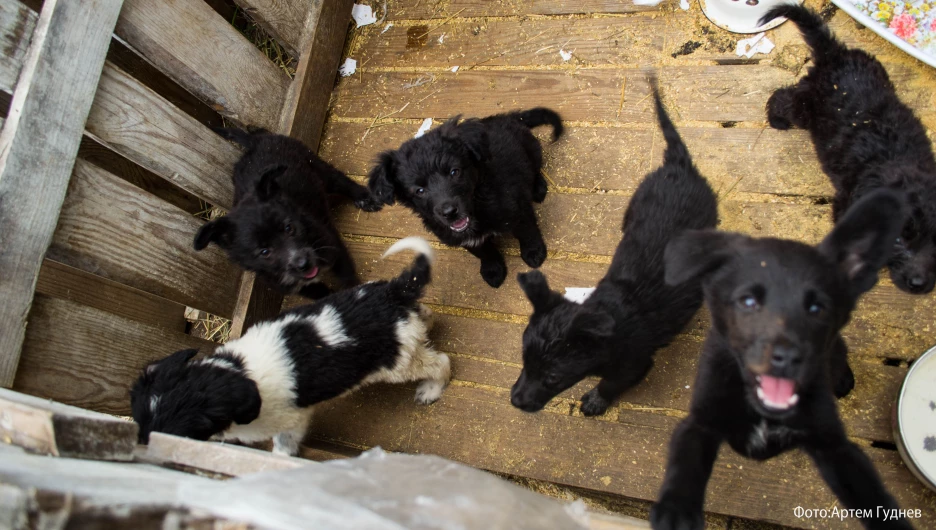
(417, 37)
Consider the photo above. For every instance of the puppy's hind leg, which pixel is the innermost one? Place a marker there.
(598, 399)
(435, 370)
(526, 230)
(539, 188)
(426, 315)
(287, 443)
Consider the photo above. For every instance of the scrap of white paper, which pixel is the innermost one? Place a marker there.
(424, 127)
(684, 5)
(348, 68)
(442, 38)
(578, 294)
(565, 55)
(385, 28)
(647, 2)
(756, 44)
(454, 69)
(363, 15)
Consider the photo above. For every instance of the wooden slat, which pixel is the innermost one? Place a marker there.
(414, 9)
(713, 93)
(17, 23)
(284, 20)
(225, 459)
(47, 427)
(747, 160)
(88, 358)
(205, 54)
(626, 456)
(61, 281)
(302, 117)
(112, 229)
(136, 122)
(37, 149)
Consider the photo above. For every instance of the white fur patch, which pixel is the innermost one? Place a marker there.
(475, 241)
(328, 327)
(758, 439)
(220, 363)
(267, 362)
(154, 402)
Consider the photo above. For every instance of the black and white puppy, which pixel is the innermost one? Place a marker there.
(632, 312)
(265, 384)
(472, 180)
(773, 362)
(280, 225)
(866, 139)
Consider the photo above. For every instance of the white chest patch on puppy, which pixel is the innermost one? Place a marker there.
(328, 326)
(220, 363)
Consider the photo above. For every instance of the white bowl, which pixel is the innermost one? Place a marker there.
(915, 425)
(742, 16)
(874, 26)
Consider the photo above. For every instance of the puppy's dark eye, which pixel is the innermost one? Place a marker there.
(815, 309)
(264, 253)
(748, 303)
(420, 191)
(289, 229)
(455, 172)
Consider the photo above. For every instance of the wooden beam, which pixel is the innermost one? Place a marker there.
(302, 117)
(87, 357)
(17, 23)
(224, 459)
(201, 51)
(38, 145)
(51, 428)
(61, 281)
(281, 19)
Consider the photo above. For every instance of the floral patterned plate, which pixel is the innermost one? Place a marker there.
(911, 26)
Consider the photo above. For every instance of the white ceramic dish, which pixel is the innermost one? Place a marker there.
(742, 16)
(876, 27)
(915, 419)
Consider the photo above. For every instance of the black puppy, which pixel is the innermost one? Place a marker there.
(632, 312)
(280, 225)
(472, 180)
(866, 139)
(773, 361)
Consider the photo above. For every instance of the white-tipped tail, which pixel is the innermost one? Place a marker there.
(414, 243)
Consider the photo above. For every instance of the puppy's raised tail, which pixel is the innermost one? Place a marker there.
(676, 152)
(815, 32)
(541, 116)
(410, 284)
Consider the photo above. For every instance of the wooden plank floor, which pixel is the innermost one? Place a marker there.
(769, 183)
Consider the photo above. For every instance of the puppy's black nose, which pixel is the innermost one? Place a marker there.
(301, 264)
(916, 283)
(785, 356)
(449, 210)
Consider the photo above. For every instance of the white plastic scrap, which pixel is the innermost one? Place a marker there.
(424, 127)
(385, 28)
(454, 69)
(348, 68)
(756, 44)
(565, 55)
(363, 15)
(578, 294)
(684, 5)
(647, 2)
(442, 38)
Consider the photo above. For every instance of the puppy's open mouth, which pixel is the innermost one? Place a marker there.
(460, 225)
(313, 272)
(776, 393)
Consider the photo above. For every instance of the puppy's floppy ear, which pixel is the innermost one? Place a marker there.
(697, 253)
(267, 187)
(596, 325)
(178, 358)
(248, 402)
(861, 242)
(537, 290)
(381, 178)
(473, 134)
(220, 231)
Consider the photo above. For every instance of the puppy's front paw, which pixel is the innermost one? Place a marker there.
(493, 273)
(429, 391)
(534, 256)
(593, 404)
(844, 383)
(671, 516)
(368, 204)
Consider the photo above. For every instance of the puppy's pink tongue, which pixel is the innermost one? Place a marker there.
(459, 224)
(777, 390)
(312, 273)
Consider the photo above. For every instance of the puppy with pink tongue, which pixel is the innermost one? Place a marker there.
(774, 362)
